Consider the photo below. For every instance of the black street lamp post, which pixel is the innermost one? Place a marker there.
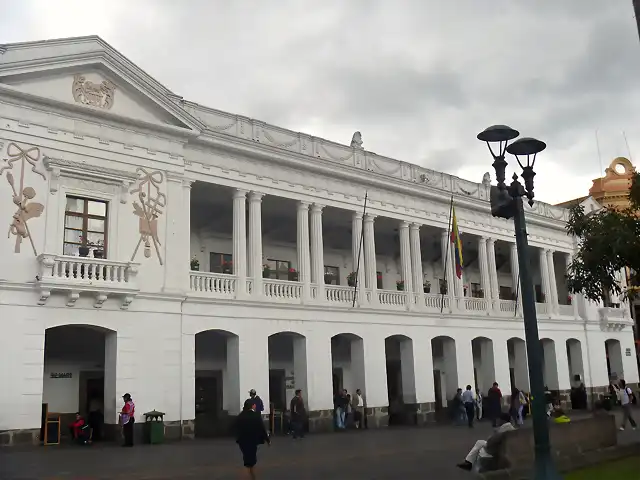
(506, 202)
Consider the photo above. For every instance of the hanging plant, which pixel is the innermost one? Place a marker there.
(400, 285)
(293, 275)
(266, 271)
(227, 268)
(426, 286)
(195, 264)
(351, 279)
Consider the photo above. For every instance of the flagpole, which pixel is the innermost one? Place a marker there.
(515, 311)
(355, 283)
(446, 256)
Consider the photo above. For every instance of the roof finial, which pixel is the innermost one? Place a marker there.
(356, 140)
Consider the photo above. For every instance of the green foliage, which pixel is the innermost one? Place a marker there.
(609, 240)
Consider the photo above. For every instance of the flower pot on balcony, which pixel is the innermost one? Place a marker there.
(351, 282)
(400, 286)
(426, 288)
(293, 276)
(83, 251)
(98, 253)
(266, 273)
(328, 279)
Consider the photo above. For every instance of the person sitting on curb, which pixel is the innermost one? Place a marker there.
(485, 454)
(80, 430)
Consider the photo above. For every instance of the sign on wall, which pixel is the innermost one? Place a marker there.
(628, 352)
(61, 375)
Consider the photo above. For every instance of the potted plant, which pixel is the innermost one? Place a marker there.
(85, 248)
(293, 275)
(227, 268)
(329, 278)
(195, 264)
(266, 271)
(400, 285)
(443, 287)
(569, 300)
(98, 249)
(426, 286)
(351, 279)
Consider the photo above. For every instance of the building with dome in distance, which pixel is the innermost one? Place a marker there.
(186, 255)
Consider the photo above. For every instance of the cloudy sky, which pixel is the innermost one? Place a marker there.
(418, 78)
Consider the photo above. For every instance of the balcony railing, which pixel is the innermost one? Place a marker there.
(218, 285)
(76, 275)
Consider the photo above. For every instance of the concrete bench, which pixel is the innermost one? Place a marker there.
(570, 442)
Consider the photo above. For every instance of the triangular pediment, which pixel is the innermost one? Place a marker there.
(88, 75)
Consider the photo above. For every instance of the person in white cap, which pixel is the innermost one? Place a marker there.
(258, 405)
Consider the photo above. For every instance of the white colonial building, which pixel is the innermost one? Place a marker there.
(186, 255)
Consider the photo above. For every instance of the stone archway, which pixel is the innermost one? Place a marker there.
(79, 375)
(217, 382)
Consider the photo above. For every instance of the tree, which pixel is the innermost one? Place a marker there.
(608, 241)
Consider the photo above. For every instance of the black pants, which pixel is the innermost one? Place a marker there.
(127, 430)
(471, 412)
(297, 427)
(249, 454)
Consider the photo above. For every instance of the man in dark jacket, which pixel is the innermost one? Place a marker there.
(494, 403)
(250, 432)
(298, 415)
(257, 401)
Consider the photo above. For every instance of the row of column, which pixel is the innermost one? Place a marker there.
(310, 253)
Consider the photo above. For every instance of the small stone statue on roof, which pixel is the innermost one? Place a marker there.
(486, 179)
(356, 140)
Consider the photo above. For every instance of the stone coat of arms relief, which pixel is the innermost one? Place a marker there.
(99, 95)
(148, 208)
(22, 195)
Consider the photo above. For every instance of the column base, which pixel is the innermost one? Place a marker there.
(321, 421)
(377, 417)
(20, 437)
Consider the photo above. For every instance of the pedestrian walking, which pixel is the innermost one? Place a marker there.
(626, 399)
(357, 404)
(494, 404)
(479, 412)
(298, 415)
(257, 401)
(250, 432)
(127, 419)
(469, 405)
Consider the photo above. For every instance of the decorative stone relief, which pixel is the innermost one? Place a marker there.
(148, 209)
(22, 195)
(93, 94)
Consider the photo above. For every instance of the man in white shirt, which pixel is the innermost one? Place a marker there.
(626, 394)
(485, 454)
(469, 405)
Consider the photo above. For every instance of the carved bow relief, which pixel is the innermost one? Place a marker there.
(148, 209)
(22, 195)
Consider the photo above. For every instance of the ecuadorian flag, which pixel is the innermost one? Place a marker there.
(457, 244)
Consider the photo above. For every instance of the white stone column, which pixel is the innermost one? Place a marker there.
(553, 289)
(405, 261)
(544, 278)
(358, 254)
(252, 352)
(319, 394)
(375, 390)
(416, 263)
(304, 260)
(255, 242)
(464, 363)
(423, 369)
(370, 258)
(317, 252)
(521, 365)
(240, 241)
(485, 282)
(501, 366)
(515, 277)
(447, 265)
(177, 242)
(493, 272)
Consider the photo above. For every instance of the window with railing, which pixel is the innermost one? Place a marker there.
(85, 227)
(221, 263)
(331, 275)
(278, 269)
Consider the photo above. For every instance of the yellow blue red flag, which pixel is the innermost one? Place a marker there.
(457, 244)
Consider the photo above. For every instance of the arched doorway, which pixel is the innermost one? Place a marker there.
(287, 372)
(550, 364)
(445, 370)
(484, 370)
(401, 384)
(80, 376)
(615, 368)
(347, 360)
(217, 388)
(518, 368)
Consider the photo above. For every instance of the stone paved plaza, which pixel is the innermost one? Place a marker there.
(430, 452)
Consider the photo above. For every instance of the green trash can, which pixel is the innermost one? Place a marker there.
(154, 427)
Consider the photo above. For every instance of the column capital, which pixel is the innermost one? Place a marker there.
(255, 196)
(369, 218)
(357, 215)
(415, 226)
(302, 205)
(404, 225)
(445, 234)
(186, 183)
(491, 241)
(240, 193)
(317, 208)
(483, 238)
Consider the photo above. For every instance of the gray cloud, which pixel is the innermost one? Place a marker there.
(419, 78)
